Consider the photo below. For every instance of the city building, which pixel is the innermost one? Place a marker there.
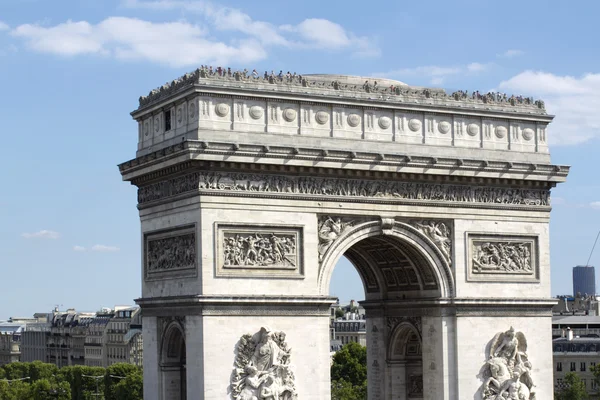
(95, 340)
(34, 342)
(118, 339)
(580, 325)
(350, 330)
(10, 342)
(61, 342)
(579, 355)
(584, 280)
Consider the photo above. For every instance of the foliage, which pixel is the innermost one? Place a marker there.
(349, 373)
(574, 388)
(343, 390)
(46, 381)
(339, 313)
(130, 388)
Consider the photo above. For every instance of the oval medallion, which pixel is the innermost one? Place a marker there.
(222, 109)
(385, 122)
(353, 120)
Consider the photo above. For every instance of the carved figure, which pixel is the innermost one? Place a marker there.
(258, 250)
(508, 368)
(502, 257)
(329, 230)
(262, 369)
(171, 253)
(439, 233)
(289, 185)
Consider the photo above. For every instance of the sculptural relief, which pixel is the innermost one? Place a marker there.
(256, 112)
(330, 228)
(473, 129)
(414, 125)
(502, 257)
(322, 117)
(260, 249)
(501, 132)
(262, 368)
(289, 114)
(357, 188)
(353, 120)
(444, 127)
(440, 234)
(222, 109)
(528, 134)
(507, 371)
(385, 122)
(171, 251)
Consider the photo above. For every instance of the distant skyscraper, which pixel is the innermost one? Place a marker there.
(584, 280)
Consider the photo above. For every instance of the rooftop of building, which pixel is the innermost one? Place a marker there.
(341, 86)
(575, 319)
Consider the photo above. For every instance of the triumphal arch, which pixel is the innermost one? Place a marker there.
(251, 188)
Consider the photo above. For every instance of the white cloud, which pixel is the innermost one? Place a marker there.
(595, 204)
(135, 39)
(43, 234)
(477, 67)
(311, 33)
(104, 249)
(436, 74)
(574, 100)
(511, 53)
(78, 248)
(4, 26)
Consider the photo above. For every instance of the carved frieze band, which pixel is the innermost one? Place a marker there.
(252, 250)
(356, 189)
(503, 258)
(170, 253)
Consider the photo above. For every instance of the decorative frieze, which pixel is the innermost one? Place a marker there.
(262, 368)
(250, 250)
(170, 253)
(330, 228)
(384, 190)
(503, 258)
(507, 371)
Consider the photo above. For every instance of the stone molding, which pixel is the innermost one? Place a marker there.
(502, 257)
(238, 305)
(317, 86)
(257, 250)
(341, 189)
(171, 253)
(351, 159)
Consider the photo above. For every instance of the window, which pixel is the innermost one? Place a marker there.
(573, 368)
(559, 366)
(582, 367)
(167, 128)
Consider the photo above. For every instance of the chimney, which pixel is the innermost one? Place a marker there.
(569, 334)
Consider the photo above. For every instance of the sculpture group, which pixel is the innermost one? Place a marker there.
(257, 250)
(508, 368)
(262, 368)
(502, 257)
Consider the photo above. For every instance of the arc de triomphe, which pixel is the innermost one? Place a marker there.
(250, 191)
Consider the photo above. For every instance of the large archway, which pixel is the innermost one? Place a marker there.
(250, 191)
(173, 362)
(406, 276)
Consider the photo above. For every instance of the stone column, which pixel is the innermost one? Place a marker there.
(376, 358)
(152, 386)
(439, 358)
(194, 342)
(396, 380)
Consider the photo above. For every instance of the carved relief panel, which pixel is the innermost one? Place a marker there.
(502, 258)
(256, 250)
(170, 253)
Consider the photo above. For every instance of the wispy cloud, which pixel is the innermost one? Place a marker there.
(135, 39)
(43, 234)
(511, 53)
(436, 74)
(104, 249)
(574, 100)
(4, 26)
(78, 248)
(595, 204)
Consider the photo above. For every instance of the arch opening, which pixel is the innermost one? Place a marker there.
(173, 363)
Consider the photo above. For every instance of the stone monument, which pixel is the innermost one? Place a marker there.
(251, 188)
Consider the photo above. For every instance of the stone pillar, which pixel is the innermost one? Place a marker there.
(439, 358)
(376, 358)
(194, 342)
(396, 380)
(152, 386)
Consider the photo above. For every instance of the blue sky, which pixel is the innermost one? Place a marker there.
(71, 72)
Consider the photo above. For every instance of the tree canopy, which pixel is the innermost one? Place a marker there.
(574, 388)
(349, 373)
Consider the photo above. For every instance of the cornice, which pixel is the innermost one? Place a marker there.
(297, 160)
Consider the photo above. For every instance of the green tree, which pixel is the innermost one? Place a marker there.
(349, 373)
(114, 374)
(574, 388)
(339, 313)
(17, 390)
(130, 388)
(43, 389)
(16, 370)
